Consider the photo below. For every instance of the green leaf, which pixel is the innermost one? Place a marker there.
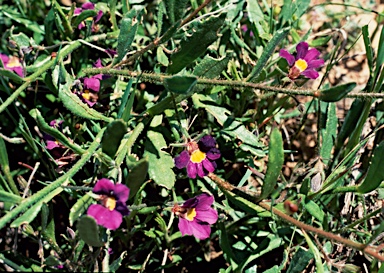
(329, 132)
(137, 176)
(128, 29)
(79, 208)
(4, 165)
(21, 40)
(368, 47)
(9, 197)
(232, 129)
(10, 74)
(85, 14)
(161, 57)
(256, 16)
(115, 265)
(312, 208)
(300, 261)
(160, 162)
(244, 204)
(375, 175)
(267, 53)
(49, 22)
(211, 68)
(89, 231)
(175, 9)
(315, 252)
(196, 44)
(275, 163)
(336, 93)
(112, 137)
(180, 84)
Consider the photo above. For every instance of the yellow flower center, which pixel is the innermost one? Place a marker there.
(13, 62)
(86, 95)
(197, 156)
(191, 214)
(301, 64)
(110, 203)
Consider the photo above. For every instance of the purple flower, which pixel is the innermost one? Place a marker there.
(12, 63)
(88, 6)
(50, 141)
(113, 197)
(196, 216)
(304, 63)
(199, 158)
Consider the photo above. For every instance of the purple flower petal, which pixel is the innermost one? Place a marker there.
(111, 52)
(288, 56)
(209, 216)
(310, 73)
(301, 49)
(204, 201)
(88, 5)
(312, 54)
(98, 16)
(184, 227)
(121, 192)
(200, 230)
(182, 160)
(4, 58)
(206, 143)
(19, 71)
(51, 144)
(81, 25)
(208, 165)
(110, 219)
(104, 186)
(213, 154)
(315, 64)
(200, 170)
(92, 83)
(98, 64)
(122, 208)
(77, 11)
(191, 169)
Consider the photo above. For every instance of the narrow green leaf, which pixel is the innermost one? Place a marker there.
(79, 208)
(10, 197)
(160, 162)
(267, 53)
(196, 44)
(313, 208)
(226, 246)
(336, 93)
(115, 265)
(63, 81)
(85, 14)
(300, 261)
(12, 75)
(137, 176)
(4, 165)
(89, 231)
(128, 29)
(375, 175)
(329, 133)
(275, 163)
(180, 84)
(256, 16)
(112, 137)
(316, 254)
(368, 47)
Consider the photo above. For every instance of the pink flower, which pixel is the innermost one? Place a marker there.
(88, 6)
(113, 197)
(199, 158)
(12, 63)
(196, 216)
(304, 62)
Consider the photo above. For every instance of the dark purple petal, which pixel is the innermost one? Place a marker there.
(182, 160)
(191, 169)
(301, 49)
(200, 230)
(122, 208)
(288, 56)
(315, 63)
(203, 201)
(110, 219)
(111, 52)
(51, 144)
(104, 186)
(312, 54)
(184, 227)
(208, 165)
(206, 143)
(121, 193)
(88, 5)
(92, 83)
(98, 16)
(310, 73)
(200, 170)
(191, 203)
(209, 216)
(213, 154)
(98, 64)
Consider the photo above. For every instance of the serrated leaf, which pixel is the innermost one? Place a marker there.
(275, 163)
(180, 84)
(160, 162)
(196, 44)
(128, 29)
(375, 175)
(232, 129)
(63, 81)
(137, 176)
(112, 137)
(79, 208)
(89, 231)
(336, 93)
(300, 261)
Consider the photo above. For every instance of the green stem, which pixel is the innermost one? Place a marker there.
(62, 181)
